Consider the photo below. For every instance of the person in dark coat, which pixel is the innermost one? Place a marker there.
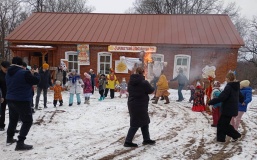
(44, 84)
(4, 67)
(64, 76)
(138, 100)
(92, 74)
(19, 95)
(182, 81)
(230, 97)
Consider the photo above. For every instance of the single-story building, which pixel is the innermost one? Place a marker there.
(98, 41)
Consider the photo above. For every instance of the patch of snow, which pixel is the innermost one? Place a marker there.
(98, 130)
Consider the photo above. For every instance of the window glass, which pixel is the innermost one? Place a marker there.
(184, 62)
(104, 65)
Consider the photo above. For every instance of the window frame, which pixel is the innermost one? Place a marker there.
(67, 54)
(99, 54)
(188, 57)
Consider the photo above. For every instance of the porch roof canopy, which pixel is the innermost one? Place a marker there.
(32, 48)
(143, 29)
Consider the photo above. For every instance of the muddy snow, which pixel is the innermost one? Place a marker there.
(98, 130)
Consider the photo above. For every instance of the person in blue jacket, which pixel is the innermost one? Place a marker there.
(246, 90)
(19, 95)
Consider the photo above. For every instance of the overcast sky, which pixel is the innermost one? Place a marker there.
(248, 7)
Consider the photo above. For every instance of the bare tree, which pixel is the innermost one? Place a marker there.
(11, 15)
(71, 6)
(183, 7)
(249, 51)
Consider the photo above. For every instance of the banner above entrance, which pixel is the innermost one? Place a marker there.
(113, 48)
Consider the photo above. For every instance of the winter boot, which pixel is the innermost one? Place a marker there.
(10, 140)
(167, 100)
(156, 100)
(162, 98)
(130, 144)
(148, 142)
(21, 146)
(70, 104)
(61, 102)
(100, 99)
(153, 98)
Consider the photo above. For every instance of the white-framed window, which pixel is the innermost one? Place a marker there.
(72, 58)
(104, 64)
(182, 61)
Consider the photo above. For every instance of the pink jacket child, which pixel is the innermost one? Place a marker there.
(87, 89)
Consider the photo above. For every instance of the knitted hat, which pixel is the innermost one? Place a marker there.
(244, 83)
(91, 70)
(58, 82)
(87, 75)
(45, 66)
(17, 61)
(73, 70)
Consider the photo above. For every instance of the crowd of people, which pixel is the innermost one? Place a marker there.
(17, 83)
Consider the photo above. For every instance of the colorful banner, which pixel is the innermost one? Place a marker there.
(83, 54)
(113, 48)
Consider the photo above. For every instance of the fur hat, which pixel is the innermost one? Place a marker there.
(45, 66)
(87, 75)
(58, 82)
(244, 83)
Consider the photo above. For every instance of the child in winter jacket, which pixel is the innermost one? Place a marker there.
(162, 89)
(87, 90)
(101, 87)
(216, 107)
(123, 88)
(246, 91)
(192, 93)
(74, 86)
(57, 88)
(198, 104)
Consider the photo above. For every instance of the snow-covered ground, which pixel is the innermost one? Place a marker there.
(98, 130)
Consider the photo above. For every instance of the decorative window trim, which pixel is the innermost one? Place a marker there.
(188, 64)
(99, 54)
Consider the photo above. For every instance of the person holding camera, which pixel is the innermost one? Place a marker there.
(19, 95)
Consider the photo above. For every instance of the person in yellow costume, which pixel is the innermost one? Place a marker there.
(162, 89)
(111, 83)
